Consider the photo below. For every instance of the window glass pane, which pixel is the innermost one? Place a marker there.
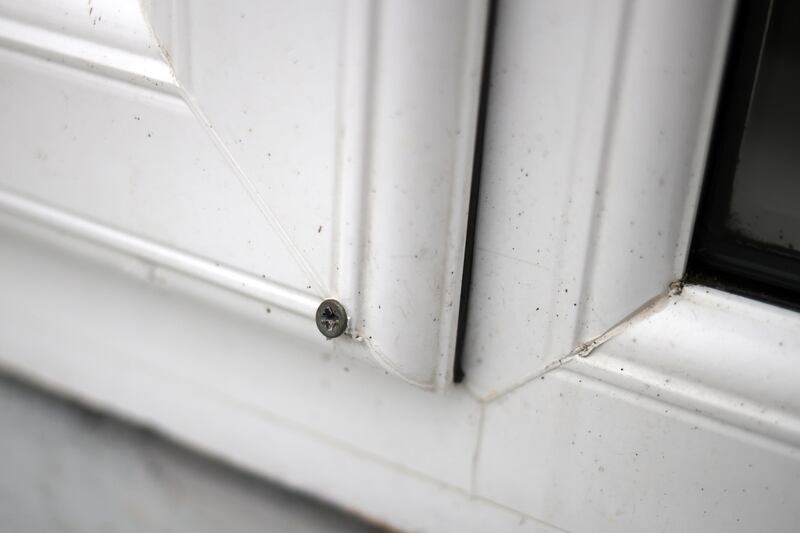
(747, 235)
(765, 202)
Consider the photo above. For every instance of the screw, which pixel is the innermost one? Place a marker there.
(331, 318)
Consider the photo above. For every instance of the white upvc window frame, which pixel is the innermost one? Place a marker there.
(602, 113)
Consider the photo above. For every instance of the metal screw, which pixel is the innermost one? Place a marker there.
(331, 318)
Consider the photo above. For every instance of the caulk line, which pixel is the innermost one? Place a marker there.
(585, 349)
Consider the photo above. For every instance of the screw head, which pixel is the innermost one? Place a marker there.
(331, 318)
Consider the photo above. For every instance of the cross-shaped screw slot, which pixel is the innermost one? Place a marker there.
(331, 318)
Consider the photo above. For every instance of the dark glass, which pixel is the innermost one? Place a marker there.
(765, 205)
(748, 231)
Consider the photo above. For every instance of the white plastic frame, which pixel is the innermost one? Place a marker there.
(696, 389)
(386, 115)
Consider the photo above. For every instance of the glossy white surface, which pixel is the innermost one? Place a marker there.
(667, 426)
(600, 114)
(352, 131)
(203, 366)
(336, 162)
(614, 103)
(721, 420)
